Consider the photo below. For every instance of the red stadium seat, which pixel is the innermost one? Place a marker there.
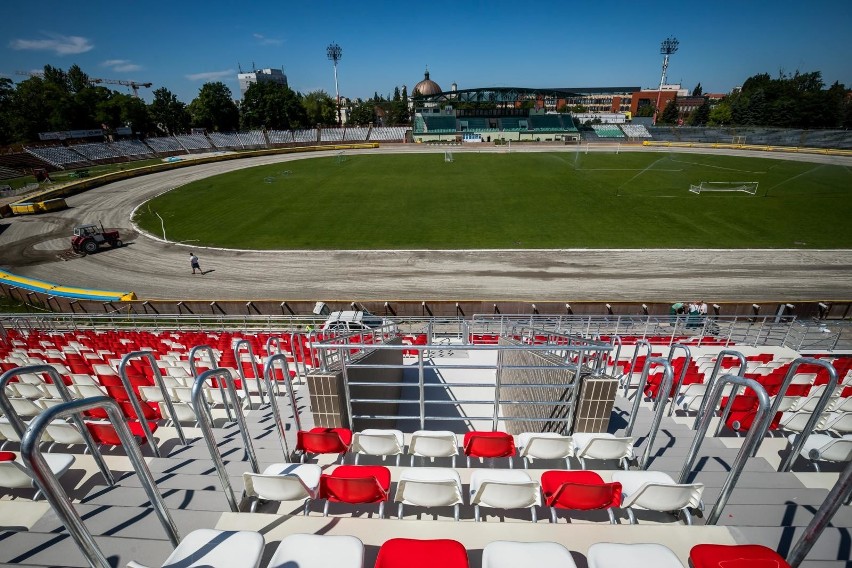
(355, 484)
(579, 490)
(323, 441)
(414, 553)
(488, 445)
(104, 433)
(735, 556)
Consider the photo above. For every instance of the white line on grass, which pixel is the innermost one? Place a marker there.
(716, 167)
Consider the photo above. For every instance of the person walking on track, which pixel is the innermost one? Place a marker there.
(193, 261)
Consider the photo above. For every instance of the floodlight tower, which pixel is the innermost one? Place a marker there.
(667, 48)
(335, 54)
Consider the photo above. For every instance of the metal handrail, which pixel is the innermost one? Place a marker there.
(56, 495)
(616, 339)
(659, 404)
(802, 436)
(18, 424)
(712, 381)
(839, 494)
(242, 373)
(137, 405)
(268, 375)
(277, 342)
(682, 375)
(626, 376)
(640, 389)
(192, 369)
(422, 351)
(749, 444)
(202, 411)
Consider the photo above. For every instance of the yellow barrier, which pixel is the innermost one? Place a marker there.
(43, 287)
(718, 145)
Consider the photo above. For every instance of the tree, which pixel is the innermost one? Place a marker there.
(7, 93)
(320, 108)
(363, 114)
(697, 91)
(701, 115)
(77, 80)
(670, 113)
(720, 114)
(168, 113)
(272, 106)
(645, 110)
(214, 108)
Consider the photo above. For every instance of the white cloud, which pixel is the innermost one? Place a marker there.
(121, 65)
(58, 43)
(263, 40)
(211, 75)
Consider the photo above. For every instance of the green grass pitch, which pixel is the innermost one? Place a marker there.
(511, 200)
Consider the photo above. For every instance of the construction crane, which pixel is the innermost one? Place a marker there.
(96, 81)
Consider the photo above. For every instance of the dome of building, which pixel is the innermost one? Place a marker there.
(427, 87)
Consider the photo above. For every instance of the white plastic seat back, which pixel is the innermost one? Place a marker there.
(664, 497)
(152, 394)
(611, 555)
(507, 554)
(602, 446)
(25, 406)
(318, 551)
(64, 433)
(87, 391)
(839, 422)
(797, 421)
(429, 487)
(503, 489)
(14, 474)
(284, 482)
(27, 390)
(210, 548)
(546, 446)
(377, 442)
(433, 444)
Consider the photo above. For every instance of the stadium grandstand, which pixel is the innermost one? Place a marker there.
(615, 446)
(607, 131)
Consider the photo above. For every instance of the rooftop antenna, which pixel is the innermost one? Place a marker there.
(667, 48)
(335, 54)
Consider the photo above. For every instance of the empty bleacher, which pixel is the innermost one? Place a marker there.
(331, 135)
(225, 140)
(59, 156)
(545, 123)
(132, 148)
(305, 136)
(165, 145)
(476, 124)
(193, 141)
(280, 136)
(99, 151)
(356, 133)
(513, 124)
(607, 131)
(252, 139)
(635, 131)
(9, 173)
(440, 124)
(388, 133)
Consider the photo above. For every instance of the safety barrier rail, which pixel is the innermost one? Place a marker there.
(720, 357)
(753, 438)
(659, 404)
(204, 414)
(683, 371)
(56, 495)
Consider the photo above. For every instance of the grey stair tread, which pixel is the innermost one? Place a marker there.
(174, 498)
(769, 496)
(40, 549)
(195, 466)
(833, 543)
(130, 522)
(783, 515)
(228, 452)
(711, 463)
(180, 481)
(826, 564)
(748, 479)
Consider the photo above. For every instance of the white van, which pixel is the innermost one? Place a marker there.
(352, 321)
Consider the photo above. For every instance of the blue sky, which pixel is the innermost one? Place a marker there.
(181, 44)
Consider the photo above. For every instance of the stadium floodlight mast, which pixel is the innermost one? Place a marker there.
(667, 48)
(335, 54)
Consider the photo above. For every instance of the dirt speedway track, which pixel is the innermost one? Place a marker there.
(160, 270)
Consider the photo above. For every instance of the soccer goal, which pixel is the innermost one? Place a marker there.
(448, 156)
(738, 140)
(749, 187)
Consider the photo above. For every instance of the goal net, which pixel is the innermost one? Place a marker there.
(749, 187)
(448, 156)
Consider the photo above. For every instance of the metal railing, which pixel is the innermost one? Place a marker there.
(625, 377)
(137, 405)
(193, 369)
(720, 357)
(824, 400)
(660, 404)
(556, 363)
(751, 440)
(56, 495)
(18, 424)
(203, 412)
(269, 377)
(242, 373)
(683, 371)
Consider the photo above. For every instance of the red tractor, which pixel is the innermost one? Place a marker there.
(88, 239)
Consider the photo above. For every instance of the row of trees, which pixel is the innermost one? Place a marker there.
(799, 100)
(68, 100)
